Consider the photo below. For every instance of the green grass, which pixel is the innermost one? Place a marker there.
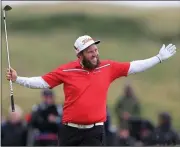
(159, 20)
(34, 54)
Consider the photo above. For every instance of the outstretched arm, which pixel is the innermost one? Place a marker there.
(142, 65)
(33, 82)
(48, 80)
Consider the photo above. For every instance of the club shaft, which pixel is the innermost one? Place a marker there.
(7, 45)
(7, 49)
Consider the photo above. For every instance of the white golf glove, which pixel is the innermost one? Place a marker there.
(166, 52)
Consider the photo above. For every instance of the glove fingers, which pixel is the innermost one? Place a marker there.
(171, 49)
(168, 46)
(174, 52)
(163, 46)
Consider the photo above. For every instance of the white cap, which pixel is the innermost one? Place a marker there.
(83, 42)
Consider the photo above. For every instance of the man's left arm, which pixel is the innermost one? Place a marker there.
(142, 65)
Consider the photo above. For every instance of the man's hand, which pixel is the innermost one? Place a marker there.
(166, 52)
(12, 75)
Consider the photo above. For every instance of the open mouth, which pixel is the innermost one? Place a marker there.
(94, 60)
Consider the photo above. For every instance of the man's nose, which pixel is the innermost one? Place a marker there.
(95, 54)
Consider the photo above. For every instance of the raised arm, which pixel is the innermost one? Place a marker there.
(32, 82)
(120, 69)
(142, 65)
(48, 80)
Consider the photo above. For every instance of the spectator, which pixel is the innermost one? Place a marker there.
(127, 105)
(164, 134)
(124, 138)
(139, 128)
(46, 118)
(146, 131)
(14, 130)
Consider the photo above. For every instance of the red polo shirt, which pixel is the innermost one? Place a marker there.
(86, 91)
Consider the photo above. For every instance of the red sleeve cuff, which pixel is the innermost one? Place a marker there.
(48, 81)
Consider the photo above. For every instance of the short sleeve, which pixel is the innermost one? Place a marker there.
(53, 78)
(119, 69)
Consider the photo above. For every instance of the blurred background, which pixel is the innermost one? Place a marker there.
(41, 37)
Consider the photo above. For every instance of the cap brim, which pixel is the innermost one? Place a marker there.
(97, 42)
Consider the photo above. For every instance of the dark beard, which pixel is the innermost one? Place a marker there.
(87, 64)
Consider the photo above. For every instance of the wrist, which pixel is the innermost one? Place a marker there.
(17, 79)
(159, 57)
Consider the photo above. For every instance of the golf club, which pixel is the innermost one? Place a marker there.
(8, 8)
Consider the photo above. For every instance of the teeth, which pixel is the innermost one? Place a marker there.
(94, 59)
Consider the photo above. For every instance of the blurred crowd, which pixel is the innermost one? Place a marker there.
(42, 126)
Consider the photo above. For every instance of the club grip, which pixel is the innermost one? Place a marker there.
(12, 103)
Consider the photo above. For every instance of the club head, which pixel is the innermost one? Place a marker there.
(7, 8)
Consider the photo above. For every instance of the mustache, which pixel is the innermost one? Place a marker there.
(87, 63)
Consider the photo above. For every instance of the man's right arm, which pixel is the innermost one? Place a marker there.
(49, 80)
(32, 82)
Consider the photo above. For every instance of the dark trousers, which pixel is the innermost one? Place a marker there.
(72, 136)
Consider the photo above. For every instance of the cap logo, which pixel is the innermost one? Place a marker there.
(86, 40)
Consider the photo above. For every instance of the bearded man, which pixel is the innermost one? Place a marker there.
(86, 82)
